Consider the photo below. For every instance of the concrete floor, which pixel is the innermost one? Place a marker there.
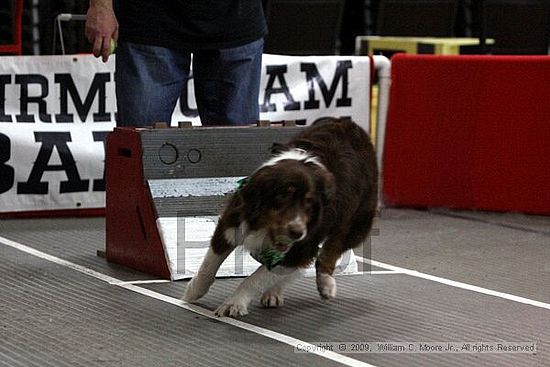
(438, 277)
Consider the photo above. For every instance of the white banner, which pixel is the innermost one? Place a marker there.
(55, 112)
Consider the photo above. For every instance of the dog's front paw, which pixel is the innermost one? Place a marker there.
(195, 290)
(326, 284)
(273, 298)
(232, 308)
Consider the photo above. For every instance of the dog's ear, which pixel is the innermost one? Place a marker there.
(278, 148)
(252, 194)
(325, 185)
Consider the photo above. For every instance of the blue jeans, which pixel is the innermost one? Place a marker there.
(149, 81)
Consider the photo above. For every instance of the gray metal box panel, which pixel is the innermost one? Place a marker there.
(209, 152)
(185, 167)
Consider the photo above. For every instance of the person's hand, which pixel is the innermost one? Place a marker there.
(101, 27)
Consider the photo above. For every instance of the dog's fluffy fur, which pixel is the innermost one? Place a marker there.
(320, 188)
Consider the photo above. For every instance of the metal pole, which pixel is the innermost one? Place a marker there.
(482, 35)
(58, 30)
(35, 27)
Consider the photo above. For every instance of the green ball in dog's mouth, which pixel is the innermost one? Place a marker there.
(271, 257)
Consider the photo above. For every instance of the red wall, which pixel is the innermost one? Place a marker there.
(469, 132)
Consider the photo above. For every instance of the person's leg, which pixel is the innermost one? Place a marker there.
(149, 81)
(227, 84)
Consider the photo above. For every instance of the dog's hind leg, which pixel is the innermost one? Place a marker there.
(324, 265)
(334, 246)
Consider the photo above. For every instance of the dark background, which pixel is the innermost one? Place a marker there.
(518, 26)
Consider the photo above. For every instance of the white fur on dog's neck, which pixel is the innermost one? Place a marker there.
(297, 154)
(253, 241)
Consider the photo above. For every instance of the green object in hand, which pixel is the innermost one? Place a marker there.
(271, 258)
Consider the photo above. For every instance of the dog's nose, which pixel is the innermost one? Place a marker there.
(296, 229)
(295, 233)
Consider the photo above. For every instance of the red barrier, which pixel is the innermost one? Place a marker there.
(469, 132)
(16, 47)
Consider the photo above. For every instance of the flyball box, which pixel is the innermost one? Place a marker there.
(165, 189)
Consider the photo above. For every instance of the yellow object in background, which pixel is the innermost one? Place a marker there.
(366, 45)
(112, 46)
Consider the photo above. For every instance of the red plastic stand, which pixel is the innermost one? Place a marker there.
(132, 236)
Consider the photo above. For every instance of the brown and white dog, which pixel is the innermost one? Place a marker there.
(320, 188)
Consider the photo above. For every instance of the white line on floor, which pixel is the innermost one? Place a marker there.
(153, 281)
(293, 342)
(454, 283)
(383, 272)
